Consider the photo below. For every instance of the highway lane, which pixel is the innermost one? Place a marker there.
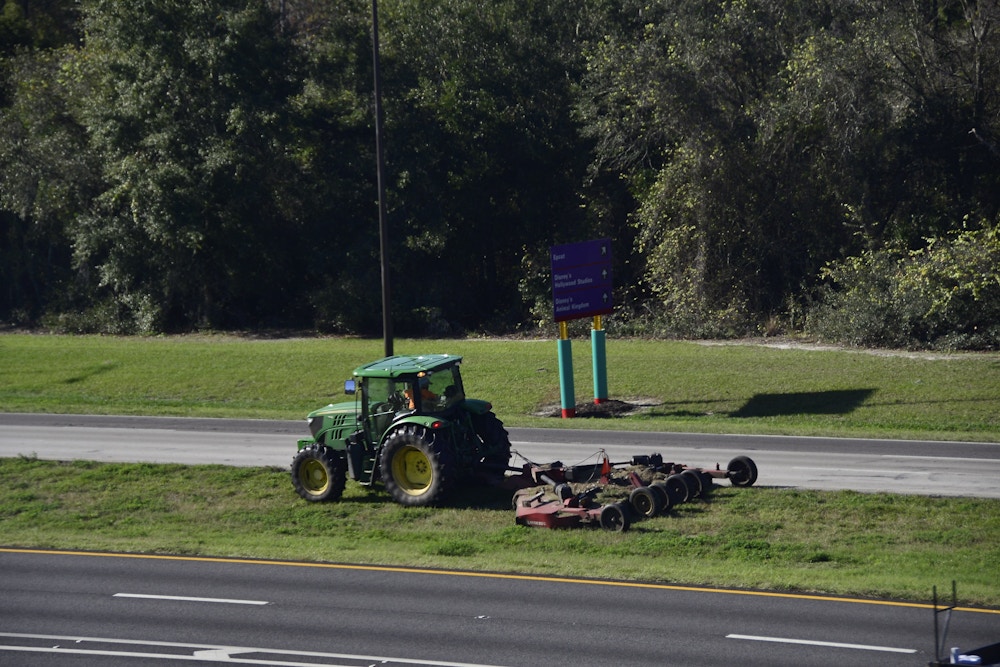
(65, 609)
(925, 467)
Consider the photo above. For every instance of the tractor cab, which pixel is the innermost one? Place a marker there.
(409, 426)
(430, 385)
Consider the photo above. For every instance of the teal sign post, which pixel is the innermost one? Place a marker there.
(581, 287)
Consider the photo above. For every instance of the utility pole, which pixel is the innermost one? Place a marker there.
(383, 230)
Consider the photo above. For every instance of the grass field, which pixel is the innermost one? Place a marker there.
(693, 387)
(849, 543)
(840, 542)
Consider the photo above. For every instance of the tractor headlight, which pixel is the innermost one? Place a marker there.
(314, 425)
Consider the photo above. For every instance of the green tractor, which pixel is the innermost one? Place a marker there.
(410, 427)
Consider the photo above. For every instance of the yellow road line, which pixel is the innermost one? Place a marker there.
(491, 575)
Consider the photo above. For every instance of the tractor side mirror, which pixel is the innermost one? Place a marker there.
(350, 387)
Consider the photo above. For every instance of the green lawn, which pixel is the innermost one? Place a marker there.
(695, 387)
(845, 542)
(841, 542)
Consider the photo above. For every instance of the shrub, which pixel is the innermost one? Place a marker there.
(945, 295)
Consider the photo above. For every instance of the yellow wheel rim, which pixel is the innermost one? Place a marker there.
(314, 477)
(412, 470)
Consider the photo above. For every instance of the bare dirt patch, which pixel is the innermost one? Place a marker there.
(609, 409)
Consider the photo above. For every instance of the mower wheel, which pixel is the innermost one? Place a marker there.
(707, 483)
(615, 517)
(318, 474)
(678, 488)
(660, 489)
(694, 482)
(742, 471)
(645, 502)
(415, 467)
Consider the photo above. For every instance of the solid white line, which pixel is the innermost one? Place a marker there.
(809, 642)
(182, 598)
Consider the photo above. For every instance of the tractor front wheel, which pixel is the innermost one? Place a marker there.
(318, 474)
(415, 469)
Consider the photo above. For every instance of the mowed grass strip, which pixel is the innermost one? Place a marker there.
(844, 543)
(744, 388)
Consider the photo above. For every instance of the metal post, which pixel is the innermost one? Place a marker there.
(600, 361)
(383, 230)
(567, 392)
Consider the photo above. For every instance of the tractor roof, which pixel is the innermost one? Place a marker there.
(397, 366)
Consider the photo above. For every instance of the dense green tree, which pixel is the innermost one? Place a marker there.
(485, 159)
(334, 145)
(211, 162)
(674, 102)
(187, 114)
(45, 172)
(946, 162)
(47, 177)
(36, 24)
(763, 138)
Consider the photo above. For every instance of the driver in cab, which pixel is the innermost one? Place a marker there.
(425, 393)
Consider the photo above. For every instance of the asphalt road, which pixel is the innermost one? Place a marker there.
(100, 610)
(899, 466)
(62, 609)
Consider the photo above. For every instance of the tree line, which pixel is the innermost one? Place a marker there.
(763, 166)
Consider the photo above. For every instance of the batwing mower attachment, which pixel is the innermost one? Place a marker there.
(545, 496)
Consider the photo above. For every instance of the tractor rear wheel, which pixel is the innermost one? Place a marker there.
(416, 469)
(742, 471)
(318, 474)
(496, 440)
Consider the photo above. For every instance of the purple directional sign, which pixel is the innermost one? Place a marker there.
(581, 279)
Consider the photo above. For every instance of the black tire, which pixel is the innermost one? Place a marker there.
(318, 474)
(496, 440)
(645, 502)
(614, 517)
(660, 489)
(416, 469)
(693, 479)
(742, 471)
(679, 489)
(707, 483)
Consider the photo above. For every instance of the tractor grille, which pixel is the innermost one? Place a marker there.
(335, 425)
(340, 428)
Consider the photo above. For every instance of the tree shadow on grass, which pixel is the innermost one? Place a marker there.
(836, 402)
